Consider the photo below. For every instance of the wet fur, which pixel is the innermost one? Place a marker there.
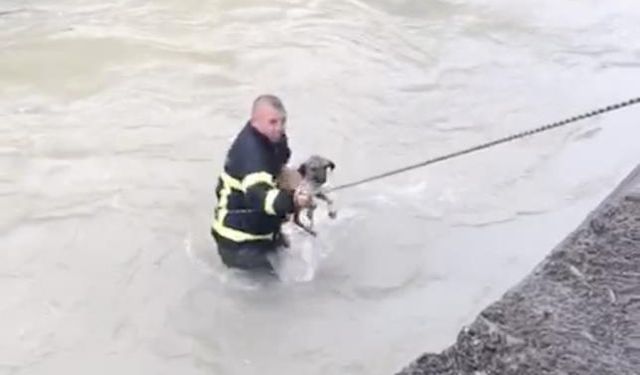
(310, 177)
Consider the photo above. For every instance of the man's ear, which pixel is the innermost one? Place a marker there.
(302, 169)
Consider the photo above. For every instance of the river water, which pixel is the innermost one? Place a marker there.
(115, 117)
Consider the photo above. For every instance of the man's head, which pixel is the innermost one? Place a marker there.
(268, 117)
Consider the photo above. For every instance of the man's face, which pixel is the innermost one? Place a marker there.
(270, 122)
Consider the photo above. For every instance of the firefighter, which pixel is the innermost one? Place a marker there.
(250, 208)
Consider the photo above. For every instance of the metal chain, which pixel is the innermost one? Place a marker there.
(510, 138)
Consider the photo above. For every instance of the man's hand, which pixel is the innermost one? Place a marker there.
(301, 199)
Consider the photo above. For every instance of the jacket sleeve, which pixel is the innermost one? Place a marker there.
(269, 199)
(262, 194)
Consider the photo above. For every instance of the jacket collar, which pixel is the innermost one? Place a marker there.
(262, 137)
(256, 133)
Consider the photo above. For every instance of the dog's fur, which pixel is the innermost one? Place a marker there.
(310, 177)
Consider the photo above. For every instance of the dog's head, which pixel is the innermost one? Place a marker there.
(315, 169)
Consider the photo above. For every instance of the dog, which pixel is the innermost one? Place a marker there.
(310, 177)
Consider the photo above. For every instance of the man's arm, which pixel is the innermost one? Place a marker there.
(259, 185)
(263, 195)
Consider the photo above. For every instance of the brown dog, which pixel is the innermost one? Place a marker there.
(310, 178)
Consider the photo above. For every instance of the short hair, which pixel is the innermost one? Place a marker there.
(272, 100)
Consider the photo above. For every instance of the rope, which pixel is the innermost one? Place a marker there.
(510, 138)
(452, 155)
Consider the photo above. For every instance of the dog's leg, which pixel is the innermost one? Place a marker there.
(310, 212)
(296, 219)
(332, 211)
(283, 240)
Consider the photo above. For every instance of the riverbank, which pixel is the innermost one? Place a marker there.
(577, 312)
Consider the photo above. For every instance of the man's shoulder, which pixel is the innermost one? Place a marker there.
(246, 153)
(245, 141)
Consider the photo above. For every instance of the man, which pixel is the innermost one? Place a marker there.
(250, 208)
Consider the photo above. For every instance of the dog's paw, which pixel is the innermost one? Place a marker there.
(333, 214)
(283, 241)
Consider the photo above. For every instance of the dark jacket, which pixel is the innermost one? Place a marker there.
(250, 209)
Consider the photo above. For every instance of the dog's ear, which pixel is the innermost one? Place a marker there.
(331, 165)
(302, 169)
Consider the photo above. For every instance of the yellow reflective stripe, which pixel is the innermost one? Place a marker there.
(235, 235)
(230, 181)
(255, 178)
(221, 212)
(269, 200)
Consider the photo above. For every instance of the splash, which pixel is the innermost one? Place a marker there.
(300, 262)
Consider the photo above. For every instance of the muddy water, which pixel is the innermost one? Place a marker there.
(114, 120)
